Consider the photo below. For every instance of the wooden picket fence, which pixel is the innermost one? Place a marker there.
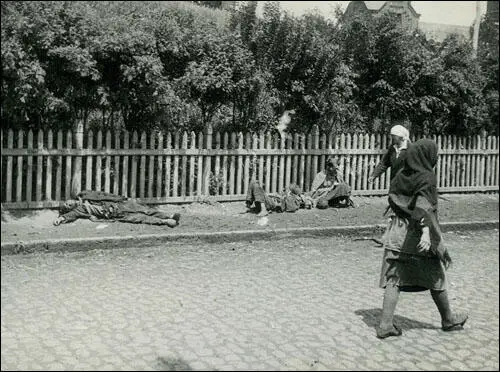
(39, 170)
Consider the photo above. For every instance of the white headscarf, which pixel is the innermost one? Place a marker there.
(399, 130)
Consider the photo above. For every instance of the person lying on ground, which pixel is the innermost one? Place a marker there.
(99, 205)
(290, 200)
(328, 188)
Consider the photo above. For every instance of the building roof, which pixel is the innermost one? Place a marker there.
(439, 31)
(374, 5)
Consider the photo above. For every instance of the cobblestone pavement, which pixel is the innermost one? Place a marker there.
(293, 304)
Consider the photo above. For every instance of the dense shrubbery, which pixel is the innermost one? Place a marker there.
(175, 65)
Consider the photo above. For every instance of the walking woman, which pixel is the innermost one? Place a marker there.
(415, 258)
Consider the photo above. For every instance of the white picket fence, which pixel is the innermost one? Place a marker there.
(186, 167)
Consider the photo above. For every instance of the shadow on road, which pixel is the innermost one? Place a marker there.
(371, 317)
(172, 364)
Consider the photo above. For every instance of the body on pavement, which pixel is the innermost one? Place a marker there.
(99, 205)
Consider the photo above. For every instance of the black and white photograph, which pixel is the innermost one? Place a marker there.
(250, 186)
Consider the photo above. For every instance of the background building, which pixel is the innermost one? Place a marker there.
(409, 18)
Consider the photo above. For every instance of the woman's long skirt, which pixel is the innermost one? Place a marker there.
(411, 272)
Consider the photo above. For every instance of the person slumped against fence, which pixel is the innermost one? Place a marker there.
(99, 205)
(328, 189)
(415, 258)
(393, 158)
(290, 200)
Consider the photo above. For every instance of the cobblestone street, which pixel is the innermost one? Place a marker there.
(292, 304)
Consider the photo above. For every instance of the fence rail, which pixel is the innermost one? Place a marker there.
(41, 169)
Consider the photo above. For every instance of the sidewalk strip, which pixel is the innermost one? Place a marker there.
(130, 241)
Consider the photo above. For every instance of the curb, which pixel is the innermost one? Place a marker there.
(86, 244)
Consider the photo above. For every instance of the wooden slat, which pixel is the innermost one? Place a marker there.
(302, 165)
(29, 169)
(208, 163)
(366, 160)
(225, 182)
(89, 162)
(341, 159)
(488, 163)
(19, 175)
(39, 169)
(468, 176)
(150, 178)
(184, 167)
(239, 175)
(262, 140)
(383, 176)
(268, 164)
(482, 159)
(247, 162)
(308, 160)
(192, 163)
(462, 144)
(348, 165)
(199, 177)
(281, 178)
(8, 175)
(142, 167)
(456, 163)
(116, 166)
(133, 172)
(323, 145)
(48, 174)
(232, 165)
(288, 166)
(175, 169)
(439, 162)
(274, 179)
(159, 166)
(495, 165)
(68, 173)
(217, 171)
(449, 173)
(98, 163)
(255, 146)
(477, 161)
(168, 161)
(125, 191)
(354, 163)
(372, 160)
(446, 163)
(107, 169)
(58, 184)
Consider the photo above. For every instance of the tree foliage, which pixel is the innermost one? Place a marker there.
(176, 65)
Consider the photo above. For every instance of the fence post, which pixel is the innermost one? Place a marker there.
(206, 170)
(76, 182)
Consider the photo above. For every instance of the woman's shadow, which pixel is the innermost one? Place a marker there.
(371, 317)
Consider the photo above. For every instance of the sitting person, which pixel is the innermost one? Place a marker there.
(290, 200)
(329, 190)
(99, 205)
